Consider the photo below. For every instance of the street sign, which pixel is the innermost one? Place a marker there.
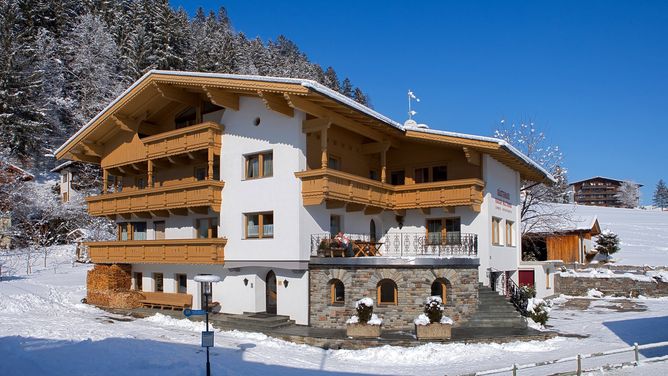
(194, 312)
(207, 339)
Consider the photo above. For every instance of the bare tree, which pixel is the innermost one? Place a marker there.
(538, 212)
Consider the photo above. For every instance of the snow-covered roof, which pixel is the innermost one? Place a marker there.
(323, 90)
(500, 142)
(18, 169)
(62, 166)
(559, 218)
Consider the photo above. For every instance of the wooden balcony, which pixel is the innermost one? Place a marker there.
(169, 251)
(331, 185)
(207, 193)
(188, 139)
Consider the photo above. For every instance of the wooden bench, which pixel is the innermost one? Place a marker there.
(166, 300)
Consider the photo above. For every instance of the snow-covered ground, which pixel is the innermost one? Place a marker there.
(45, 330)
(643, 233)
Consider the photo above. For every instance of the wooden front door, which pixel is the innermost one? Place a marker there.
(526, 278)
(271, 292)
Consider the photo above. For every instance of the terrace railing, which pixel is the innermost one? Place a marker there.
(400, 244)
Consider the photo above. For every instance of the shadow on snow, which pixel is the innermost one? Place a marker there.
(127, 356)
(642, 331)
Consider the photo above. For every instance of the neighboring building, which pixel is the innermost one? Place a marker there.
(566, 241)
(252, 178)
(9, 175)
(73, 179)
(66, 172)
(601, 191)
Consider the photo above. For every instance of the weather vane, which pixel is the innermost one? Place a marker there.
(411, 97)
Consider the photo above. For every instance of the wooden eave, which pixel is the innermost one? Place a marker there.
(498, 152)
(150, 93)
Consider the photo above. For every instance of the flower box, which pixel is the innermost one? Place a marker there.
(363, 330)
(433, 331)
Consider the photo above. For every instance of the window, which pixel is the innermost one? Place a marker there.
(509, 233)
(138, 230)
(207, 228)
(64, 175)
(138, 281)
(421, 175)
(65, 197)
(439, 173)
(444, 231)
(200, 173)
(334, 162)
(259, 225)
(259, 165)
(335, 224)
(496, 225)
(140, 182)
(186, 118)
(159, 230)
(157, 279)
(398, 177)
(337, 292)
(439, 288)
(387, 292)
(181, 283)
(122, 231)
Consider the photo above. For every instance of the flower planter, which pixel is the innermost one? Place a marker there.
(434, 331)
(363, 330)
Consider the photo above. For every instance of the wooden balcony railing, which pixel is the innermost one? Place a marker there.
(184, 140)
(327, 184)
(187, 195)
(168, 251)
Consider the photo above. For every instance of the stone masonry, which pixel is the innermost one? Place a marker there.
(576, 286)
(413, 286)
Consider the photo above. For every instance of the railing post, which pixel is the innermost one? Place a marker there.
(635, 351)
(579, 370)
(515, 369)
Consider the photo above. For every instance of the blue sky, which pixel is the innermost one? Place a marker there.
(592, 74)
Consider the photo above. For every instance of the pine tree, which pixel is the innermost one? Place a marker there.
(607, 243)
(347, 88)
(660, 198)
(331, 79)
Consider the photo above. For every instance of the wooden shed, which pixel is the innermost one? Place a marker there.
(569, 242)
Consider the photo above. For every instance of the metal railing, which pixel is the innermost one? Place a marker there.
(405, 244)
(578, 360)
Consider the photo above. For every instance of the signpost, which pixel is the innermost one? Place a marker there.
(207, 336)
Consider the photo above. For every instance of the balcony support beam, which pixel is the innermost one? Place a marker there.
(372, 210)
(334, 204)
(222, 98)
(209, 175)
(276, 102)
(315, 125)
(472, 156)
(160, 213)
(351, 207)
(105, 180)
(179, 211)
(177, 95)
(150, 173)
(324, 155)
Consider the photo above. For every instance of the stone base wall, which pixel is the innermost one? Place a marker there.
(609, 286)
(413, 286)
(109, 286)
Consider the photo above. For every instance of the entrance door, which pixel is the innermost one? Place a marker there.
(271, 292)
(526, 278)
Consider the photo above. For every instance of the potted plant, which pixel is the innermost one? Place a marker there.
(432, 324)
(364, 324)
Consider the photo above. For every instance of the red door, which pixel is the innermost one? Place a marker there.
(527, 278)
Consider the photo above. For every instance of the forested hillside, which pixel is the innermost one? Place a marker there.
(62, 61)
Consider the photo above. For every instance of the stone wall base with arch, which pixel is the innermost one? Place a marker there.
(414, 284)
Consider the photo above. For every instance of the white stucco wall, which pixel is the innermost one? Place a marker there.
(543, 276)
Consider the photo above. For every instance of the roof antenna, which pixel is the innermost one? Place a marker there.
(410, 122)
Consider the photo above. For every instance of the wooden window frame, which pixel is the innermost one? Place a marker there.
(426, 178)
(496, 228)
(177, 282)
(444, 226)
(260, 156)
(337, 159)
(260, 230)
(509, 233)
(332, 293)
(212, 223)
(155, 282)
(379, 295)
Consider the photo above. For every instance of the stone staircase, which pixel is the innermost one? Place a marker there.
(250, 321)
(494, 311)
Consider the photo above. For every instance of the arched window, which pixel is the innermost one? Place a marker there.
(439, 288)
(387, 292)
(337, 292)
